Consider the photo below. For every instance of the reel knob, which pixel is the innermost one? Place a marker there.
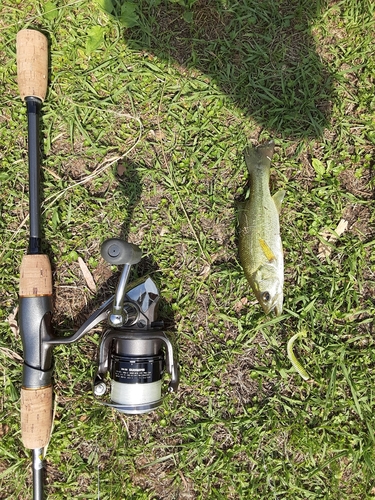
(117, 252)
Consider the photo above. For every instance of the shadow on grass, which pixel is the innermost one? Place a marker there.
(261, 54)
(130, 186)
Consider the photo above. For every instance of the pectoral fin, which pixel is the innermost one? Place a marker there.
(270, 256)
(278, 199)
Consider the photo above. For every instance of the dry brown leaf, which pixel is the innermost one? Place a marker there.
(13, 324)
(205, 271)
(10, 354)
(121, 168)
(157, 135)
(238, 306)
(326, 249)
(87, 275)
(4, 429)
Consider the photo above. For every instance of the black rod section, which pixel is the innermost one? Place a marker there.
(34, 105)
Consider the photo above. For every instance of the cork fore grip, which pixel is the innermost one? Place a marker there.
(32, 64)
(36, 417)
(35, 276)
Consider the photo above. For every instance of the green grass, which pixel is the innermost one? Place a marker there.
(143, 129)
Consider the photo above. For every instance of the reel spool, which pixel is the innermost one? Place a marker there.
(135, 365)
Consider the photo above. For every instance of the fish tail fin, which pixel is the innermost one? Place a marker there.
(259, 156)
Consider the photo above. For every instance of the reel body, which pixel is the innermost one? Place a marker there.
(136, 356)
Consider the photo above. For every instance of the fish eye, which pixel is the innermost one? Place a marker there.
(266, 296)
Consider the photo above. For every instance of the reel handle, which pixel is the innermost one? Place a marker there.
(32, 64)
(116, 251)
(36, 401)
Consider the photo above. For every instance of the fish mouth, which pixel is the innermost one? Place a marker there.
(278, 309)
(276, 306)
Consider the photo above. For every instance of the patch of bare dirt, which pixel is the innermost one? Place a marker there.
(357, 185)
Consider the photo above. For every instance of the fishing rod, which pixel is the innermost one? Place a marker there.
(35, 286)
(135, 352)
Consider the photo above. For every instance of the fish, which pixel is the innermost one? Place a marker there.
(260, 245)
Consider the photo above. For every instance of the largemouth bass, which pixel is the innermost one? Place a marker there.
(260, 246)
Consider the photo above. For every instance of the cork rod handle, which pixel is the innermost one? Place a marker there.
(32, 64)
(35, 276)
(36, 417)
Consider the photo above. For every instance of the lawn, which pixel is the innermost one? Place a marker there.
(149, 108)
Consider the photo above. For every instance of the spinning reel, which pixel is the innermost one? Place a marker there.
(134, 352)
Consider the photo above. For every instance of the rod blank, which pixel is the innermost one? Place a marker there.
(38, 473)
